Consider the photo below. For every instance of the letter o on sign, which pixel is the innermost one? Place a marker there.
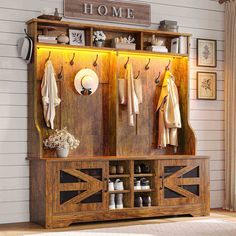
(102, 10)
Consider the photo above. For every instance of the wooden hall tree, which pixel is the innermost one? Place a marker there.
(75, 189)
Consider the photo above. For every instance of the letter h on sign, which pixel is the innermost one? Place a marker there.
(88, 8)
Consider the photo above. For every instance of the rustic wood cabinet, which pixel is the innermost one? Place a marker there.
(75, 189)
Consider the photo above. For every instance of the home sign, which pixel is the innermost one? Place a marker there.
(109, 11)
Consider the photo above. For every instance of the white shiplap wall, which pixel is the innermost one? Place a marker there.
(202, 18)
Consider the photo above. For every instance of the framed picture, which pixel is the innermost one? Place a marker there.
(206, 52)
(206, 85)
(77, 37)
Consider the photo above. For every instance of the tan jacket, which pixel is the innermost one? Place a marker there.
(169, 113)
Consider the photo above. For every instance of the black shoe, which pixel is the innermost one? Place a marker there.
(147, 201)
(138, 202)
(145, 184)
(145, 168)
(137, 169)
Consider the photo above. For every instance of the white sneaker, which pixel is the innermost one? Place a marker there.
(119, 185)
(111, 186)
(112, 204)
(137, 184)
(119, 201)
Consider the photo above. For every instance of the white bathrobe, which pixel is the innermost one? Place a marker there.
(133, 108)
(49, 94)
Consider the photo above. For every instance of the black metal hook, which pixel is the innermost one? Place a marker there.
(147, 67)
(49, 55)
(72, 60)
(95, 62)
(167, 67)
(157, 79)
(26, 33)
(126, 63)
(60, 76)
(137, 75)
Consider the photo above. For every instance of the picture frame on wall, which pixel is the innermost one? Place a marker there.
(206, 52)
(77, 37)
(206, 85)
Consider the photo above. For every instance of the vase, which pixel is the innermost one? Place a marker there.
(63, 39)
(99, 44)
(62, 152)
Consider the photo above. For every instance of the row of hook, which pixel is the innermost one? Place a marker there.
(157, 80)
(147, 67)
(60, 74)
(72, 60)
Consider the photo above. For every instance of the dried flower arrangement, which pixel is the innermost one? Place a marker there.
(128, 40)
(61, 139)
(99, 36)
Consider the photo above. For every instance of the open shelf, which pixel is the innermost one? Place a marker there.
(144, 175)
(144, 190)
(119, 176)
(120, 191)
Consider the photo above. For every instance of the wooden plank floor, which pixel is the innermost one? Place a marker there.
(29, 228)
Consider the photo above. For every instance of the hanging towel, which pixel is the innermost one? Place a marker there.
(122, 85)
(133, 108)
(138, 90)
(49, 94)
(169, 113)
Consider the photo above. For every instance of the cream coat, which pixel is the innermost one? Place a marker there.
(169, 113)
(49, 94)
(133, 108)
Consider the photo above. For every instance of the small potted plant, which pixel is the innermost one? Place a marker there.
(62, 141)
(99, 38)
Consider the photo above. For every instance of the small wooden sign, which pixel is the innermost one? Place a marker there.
(109, 11)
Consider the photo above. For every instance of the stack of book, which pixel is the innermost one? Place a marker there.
(47, 39)
(169, 25)
(154, 48)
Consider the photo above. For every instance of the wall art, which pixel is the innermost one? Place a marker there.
(206, 52)
(77, 37)
(206, 85)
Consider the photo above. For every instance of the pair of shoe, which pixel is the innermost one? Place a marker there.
(116, 201)
(117, 185)
(143, 201)
(116, 170)
(141, 184)
(142, 168)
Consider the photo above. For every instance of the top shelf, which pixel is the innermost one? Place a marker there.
(106, 28)
(143, 38)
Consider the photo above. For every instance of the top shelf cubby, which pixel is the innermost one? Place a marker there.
(142, 36)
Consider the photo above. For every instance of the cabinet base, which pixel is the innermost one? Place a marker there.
(65, 220)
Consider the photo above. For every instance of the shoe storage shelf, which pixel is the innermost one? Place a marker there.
(117, 172)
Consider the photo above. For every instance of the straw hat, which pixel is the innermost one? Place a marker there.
(86, 82)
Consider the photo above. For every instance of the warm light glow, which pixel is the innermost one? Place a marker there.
(141, 54)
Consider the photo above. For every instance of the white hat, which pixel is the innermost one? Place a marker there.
(86, 82)
(25, 48)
